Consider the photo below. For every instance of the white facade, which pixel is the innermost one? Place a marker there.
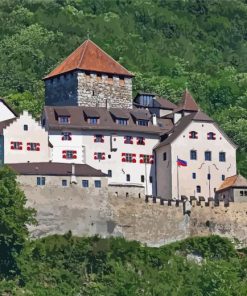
(5, 112)
(112, 148)
(174, 181)
(24, 140)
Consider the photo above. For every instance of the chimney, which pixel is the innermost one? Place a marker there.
(73, 177)
(154, 119)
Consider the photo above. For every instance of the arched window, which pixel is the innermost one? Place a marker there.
(211, 136)
(193, 135)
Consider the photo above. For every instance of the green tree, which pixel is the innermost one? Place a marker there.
(14, 218)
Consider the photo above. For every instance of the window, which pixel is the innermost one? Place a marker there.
(211, 136)
(145, 100)
(128, 140)
(208, 155)
(193, 154)
(63, 119)
(98, 139)
(223, 177)
(241, 193)
(122, 121)
(66, 136)
(140, 141)
(150, 179)
(193, 135)
(109, 173)
(16, 146)
(84, 183)
(40, 181)
(33, 146)
(92, 120)
(129, 157)
(222, 156)
(198, 189)
(99, 155)
(164, 156)
(97, 184)
(142, 122)
(193, 175)
(142, 178)
(144, 158)
(209, 176)
(25, 127)
(127, 177)
(69, 154)
(64, 183)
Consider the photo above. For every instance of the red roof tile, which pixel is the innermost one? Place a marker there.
(233, 181)
(188, 103)
(89, 57)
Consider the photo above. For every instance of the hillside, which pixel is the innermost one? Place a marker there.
(167, 44)
(67, 265)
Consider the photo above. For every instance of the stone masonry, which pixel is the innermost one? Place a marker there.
(89, 89)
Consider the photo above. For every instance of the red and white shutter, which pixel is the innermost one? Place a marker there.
(12, 147)
(28, 146)
(95, 155)
(74, 154)
(103, 156)
(64, 154)
(123, 157)
(151, 159)
(102, 139)
(134, 158)
(141, 158)
(38, 147)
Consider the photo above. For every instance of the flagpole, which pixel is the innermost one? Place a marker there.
(177, 179)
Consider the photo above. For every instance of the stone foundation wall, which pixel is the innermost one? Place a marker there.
(59, 211)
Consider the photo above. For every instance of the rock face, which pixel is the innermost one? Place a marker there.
(79, 88)
(60, 210)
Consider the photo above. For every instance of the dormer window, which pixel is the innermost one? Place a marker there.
(140, 141)
(142, 122)
(92, 120)
(128, 140)
(193, 135)
(122, 121)
(211, 136)
(63, 119)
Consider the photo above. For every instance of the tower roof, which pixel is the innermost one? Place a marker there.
(88, 56)
(188, 103)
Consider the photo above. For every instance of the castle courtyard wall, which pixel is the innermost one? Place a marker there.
(95, 213)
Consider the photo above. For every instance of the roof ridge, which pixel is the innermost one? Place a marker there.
(109, 55)
(82, 56)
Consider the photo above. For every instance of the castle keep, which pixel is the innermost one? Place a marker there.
(91, 78)
(98, 156)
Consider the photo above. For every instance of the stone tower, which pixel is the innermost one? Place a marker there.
(89, 77)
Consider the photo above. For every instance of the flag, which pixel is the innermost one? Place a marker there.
(181, 162)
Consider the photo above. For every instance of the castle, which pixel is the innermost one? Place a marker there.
(97, 141)
(90, 118)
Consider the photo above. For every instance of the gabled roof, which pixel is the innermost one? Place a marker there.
(236, 181)
(107, 121)
(7, 105)
(188, 103)
(182, 124)
(55, 169)
(89, 57)
(164, 103)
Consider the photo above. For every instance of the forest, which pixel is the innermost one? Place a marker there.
(167, 44)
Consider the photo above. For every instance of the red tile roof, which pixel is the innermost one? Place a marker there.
(188, 103)
(233, 181)
(89, 57)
